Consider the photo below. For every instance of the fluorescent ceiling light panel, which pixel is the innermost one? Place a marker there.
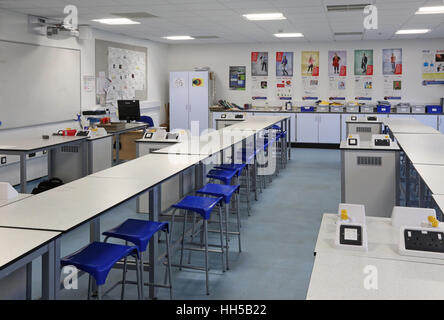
(289, 35)
(413, 31)
(179, 38)
(116, 21)
(264, 16)
(430, 10)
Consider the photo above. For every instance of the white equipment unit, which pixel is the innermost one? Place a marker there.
(422, 242)
(353, 140)
(190, 98)
(351, 236)
(67, 162)
(7, 192)
(228, 119)
(173, 189)
(369, 176)
(364, 126)
(413, 217)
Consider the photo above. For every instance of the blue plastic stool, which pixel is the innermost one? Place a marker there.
(240, 169)
(139, 233)
(148, 120)
(225, 176)
(227, 192)
(203, 207)
(98, 258)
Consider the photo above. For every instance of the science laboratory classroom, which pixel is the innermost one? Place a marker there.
(221, 150)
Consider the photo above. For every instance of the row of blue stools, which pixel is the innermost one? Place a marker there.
(98, 258)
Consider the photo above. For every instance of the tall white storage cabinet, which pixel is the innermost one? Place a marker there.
(190, 98)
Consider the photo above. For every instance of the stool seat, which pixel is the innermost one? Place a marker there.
(200, 205)
(238, 167)
(219, 190)
(223, 175)
(98, 258)
(138, 232)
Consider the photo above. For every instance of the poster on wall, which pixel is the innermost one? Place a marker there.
(310, 63)
(238, 77)
(337, 63)
(259, 64)
(284, 87)
(392, 61)
(363, 88)
(127, 72)
(259, 89)
(284, 64)
(433, 67)
(310, 87)
(337, 72)
(392, 88)
(363, 62)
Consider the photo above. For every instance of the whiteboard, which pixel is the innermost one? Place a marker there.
(38, 84)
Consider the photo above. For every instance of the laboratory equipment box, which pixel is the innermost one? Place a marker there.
(337, 109)
(307, 109)
(352, 109)
(418, 109)
(369, 176)
(367, 109)
(403, 109)
(383, 108)
(365, 127)
(322, 109)
(433, 109)
(228, 119)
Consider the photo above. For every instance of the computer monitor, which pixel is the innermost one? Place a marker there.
(129, 110)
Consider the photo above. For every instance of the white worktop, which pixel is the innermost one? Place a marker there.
(337, 277)
(15, 243)
(20, 196)
(408, 125)
(33, 143)
(433, 177)
(423, 148)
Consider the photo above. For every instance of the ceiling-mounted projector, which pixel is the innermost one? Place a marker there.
(51, 28)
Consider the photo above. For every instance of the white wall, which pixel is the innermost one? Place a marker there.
(13, 27)
(220, 57)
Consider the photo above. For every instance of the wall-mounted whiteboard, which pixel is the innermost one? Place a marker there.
(38, 84)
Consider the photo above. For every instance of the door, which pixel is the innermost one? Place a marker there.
(199, 101)
(307, 128)
(329, 128)
(179, 100)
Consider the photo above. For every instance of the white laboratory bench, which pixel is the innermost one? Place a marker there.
(20, 196)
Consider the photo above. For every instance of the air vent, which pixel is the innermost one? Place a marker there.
(205, 37)
(346, 7)
(348, 33)
(70, 149)
(369, 161)
(363, 129)
(135, 15)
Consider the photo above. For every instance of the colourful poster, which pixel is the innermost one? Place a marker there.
(337, 63)
(284, 64)
(284, 88)
(392, 62)
(238, 78)
(363, 62)
(433, 67)
(310, 63)
(259, 64)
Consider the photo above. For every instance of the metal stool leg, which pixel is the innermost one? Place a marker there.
(139, 282)
(192, 236)
(183, 238)
(169, 264)
(205, 226)
(221, 231)
(89, 287)
(238, 220)
(227, 216)
(141, 264)
(122, 293)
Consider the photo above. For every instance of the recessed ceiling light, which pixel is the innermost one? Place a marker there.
(264, 16)
(289, 35)
(430, 10)
(412, 31)
(116, 21)
(179, 38)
